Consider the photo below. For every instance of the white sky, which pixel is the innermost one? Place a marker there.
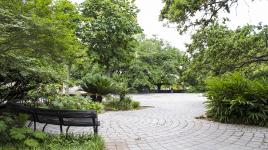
(246, 12)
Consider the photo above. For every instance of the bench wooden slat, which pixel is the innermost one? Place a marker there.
(79, 122)
(78, 114)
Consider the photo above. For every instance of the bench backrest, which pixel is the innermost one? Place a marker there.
(18, 108)
(51, 116)
(3, 108)
(78, 113)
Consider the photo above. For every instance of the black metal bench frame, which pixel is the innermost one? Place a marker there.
(57, 117)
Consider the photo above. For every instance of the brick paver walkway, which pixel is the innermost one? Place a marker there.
(171, 125)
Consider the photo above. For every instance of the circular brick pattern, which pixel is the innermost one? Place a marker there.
(171, 125)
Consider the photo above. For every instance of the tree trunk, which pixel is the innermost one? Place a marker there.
(68, 78)
(158, 87)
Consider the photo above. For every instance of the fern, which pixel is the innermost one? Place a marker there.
(31, 143)
(39, 135)
(17, 134)
(21, 119)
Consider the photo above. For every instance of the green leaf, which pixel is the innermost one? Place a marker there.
(17, 134)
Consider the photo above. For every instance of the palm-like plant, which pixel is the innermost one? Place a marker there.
(97, 85)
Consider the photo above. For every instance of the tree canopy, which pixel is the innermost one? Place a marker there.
(156, 64)
(35, 41)
(217, 49)
(187, 13)
(108, 31)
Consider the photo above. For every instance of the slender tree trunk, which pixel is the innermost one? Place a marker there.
(68, 78)
(158, 87)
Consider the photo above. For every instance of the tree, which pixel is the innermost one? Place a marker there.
(69, 19)
(217, 49)
(33, 44)
(187, 13)
(156, 63)
(108, 31)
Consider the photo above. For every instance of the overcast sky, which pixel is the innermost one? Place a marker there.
(246, 12)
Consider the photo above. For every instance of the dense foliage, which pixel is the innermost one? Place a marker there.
(108, 31)
(216, 52)
(35, 43)
(236, 99)
(217, 49)
(156, 64)
(71, 103)
(188, 13)
(121, 104)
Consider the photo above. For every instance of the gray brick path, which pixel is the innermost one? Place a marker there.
(171, 125)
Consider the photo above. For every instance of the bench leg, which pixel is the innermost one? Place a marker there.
(34, 126)
(44, 127)
(30, 124)
(60, 129)
(67, 129)
(95, 128)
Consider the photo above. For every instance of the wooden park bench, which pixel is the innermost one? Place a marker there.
(57, 117)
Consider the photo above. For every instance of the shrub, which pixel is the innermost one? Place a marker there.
(135, 104)
(14, 132)
(8, 122)
(236, 99)
(71, 102)
(121, 88)
(121, 85)
(117, 104)
(196, 89)
(27, 137)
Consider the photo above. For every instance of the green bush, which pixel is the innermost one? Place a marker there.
(236, 99)
(121, 88)
(69, 102)
(135, 104)
(14, 132)
(117, 104)
(8, 122)
(27, 137)
(196, 89)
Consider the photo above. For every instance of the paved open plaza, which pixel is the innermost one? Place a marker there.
(169, 124)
